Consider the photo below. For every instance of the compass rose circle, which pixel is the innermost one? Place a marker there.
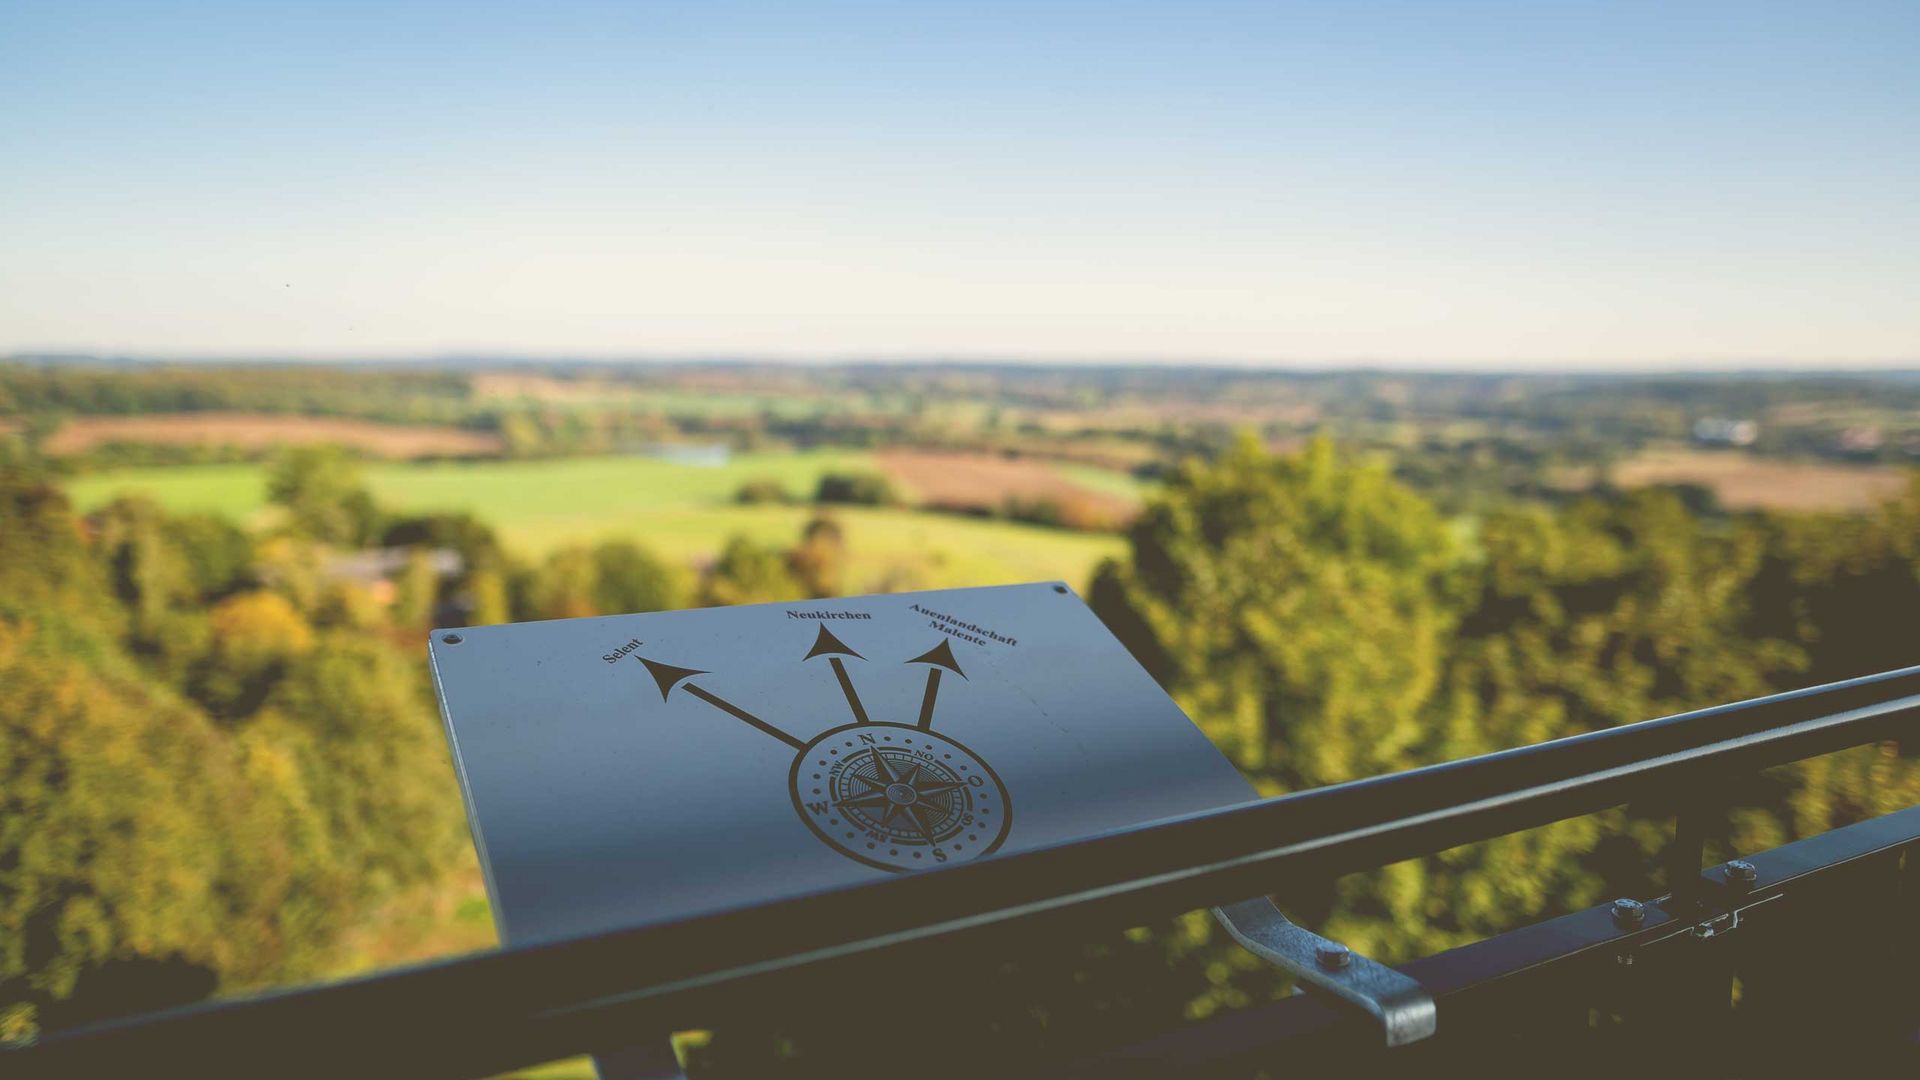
(899, 797)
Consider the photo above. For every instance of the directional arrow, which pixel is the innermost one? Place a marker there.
(833, 649)
(936, 658)
(825, 644)
(668, 676)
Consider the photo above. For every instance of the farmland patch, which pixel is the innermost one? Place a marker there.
(257, 431)
(1744, 482)
(987, 482)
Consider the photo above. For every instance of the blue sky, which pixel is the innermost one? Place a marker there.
(1505, 185)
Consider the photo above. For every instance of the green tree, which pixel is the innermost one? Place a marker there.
(362, 784)
(324, 496)
(1609, 612)
(149, 851)
(1297, 607)
(629, 578)
(761, 491)
(864, 489)
(118, 824)
(564, 586)
(748, 572)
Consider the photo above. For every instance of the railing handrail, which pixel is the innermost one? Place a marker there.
(516, 1006)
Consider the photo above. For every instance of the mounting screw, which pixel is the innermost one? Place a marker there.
(1741, 874)
(1628, 913)
(1060, 588)
(452, 639)
(1334, 956)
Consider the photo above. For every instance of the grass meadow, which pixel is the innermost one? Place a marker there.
(683, 511)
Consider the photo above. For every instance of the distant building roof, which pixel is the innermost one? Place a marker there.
(379, 564)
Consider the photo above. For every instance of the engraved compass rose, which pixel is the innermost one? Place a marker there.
(891, 795)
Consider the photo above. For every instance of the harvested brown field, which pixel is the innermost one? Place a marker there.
(986, 482)
(254, 431)
(491, 385)
(1744, 482)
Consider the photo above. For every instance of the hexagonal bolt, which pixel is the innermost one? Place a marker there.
(1741, 874)
(1628, 913)
(1334, 956)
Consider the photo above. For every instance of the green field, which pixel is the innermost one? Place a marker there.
(1103, 481)
(682, 511)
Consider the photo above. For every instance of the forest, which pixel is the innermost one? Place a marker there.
(224, 770)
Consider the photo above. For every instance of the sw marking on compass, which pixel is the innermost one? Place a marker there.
(892, 796)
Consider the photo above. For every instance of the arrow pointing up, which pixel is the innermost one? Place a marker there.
(825, 644)
(940, 655)
(936, 658)
(828, 645)
(667, 675)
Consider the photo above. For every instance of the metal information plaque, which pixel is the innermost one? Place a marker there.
(641, 768)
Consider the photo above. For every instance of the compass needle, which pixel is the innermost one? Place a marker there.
(916, 812)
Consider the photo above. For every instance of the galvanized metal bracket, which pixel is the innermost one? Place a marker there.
(1402, 1006)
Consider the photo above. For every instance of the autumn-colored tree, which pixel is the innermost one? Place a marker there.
(818, 562)
(203, 785)
(127, 833)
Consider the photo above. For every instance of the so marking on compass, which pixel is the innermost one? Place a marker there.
(893, 796)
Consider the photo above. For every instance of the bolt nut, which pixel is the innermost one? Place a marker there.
(1628, 913)
(1334, 956)
(452, 639)
(1742, 874)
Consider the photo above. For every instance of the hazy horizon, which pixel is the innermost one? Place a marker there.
(1632, 187)
(1430, 366)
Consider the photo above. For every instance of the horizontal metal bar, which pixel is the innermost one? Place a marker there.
(517, 1006)
(1296, 1028)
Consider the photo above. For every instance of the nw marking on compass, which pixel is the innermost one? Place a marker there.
(891, 795)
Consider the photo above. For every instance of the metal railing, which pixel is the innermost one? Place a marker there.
(484, 1013)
